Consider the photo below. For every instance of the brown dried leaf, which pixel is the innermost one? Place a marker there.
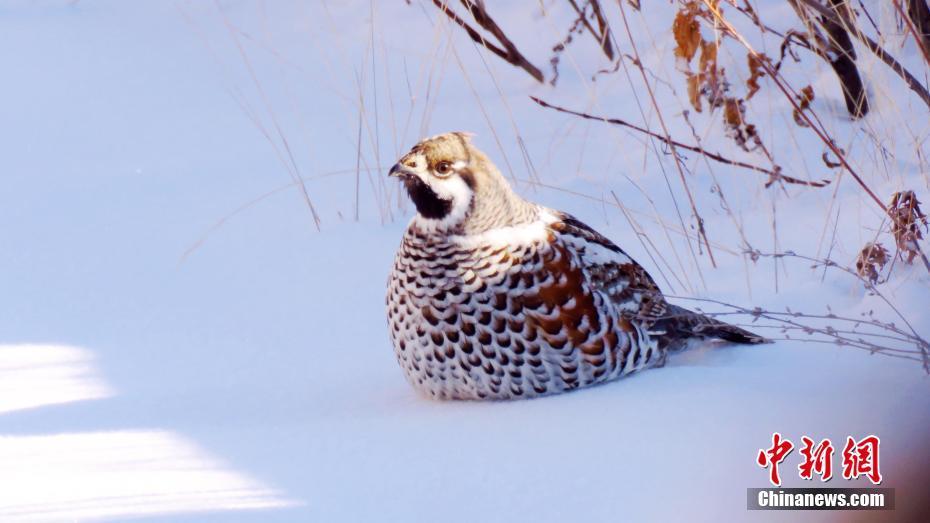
(807, 96)
(828, 162)
(708, 61)
(714, 79)
(756, 71)
(804, 102)
(709, 80)
(694, 91)
(906, 219)
(733, 113)
(687, 32)
(734, 119)
(871, 261)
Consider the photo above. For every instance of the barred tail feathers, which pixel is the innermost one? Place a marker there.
(679, 324)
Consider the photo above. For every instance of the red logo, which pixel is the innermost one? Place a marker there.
(860, 458)
(774, 455)
(819, 460)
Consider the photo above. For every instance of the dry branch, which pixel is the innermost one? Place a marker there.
(602, 33)
(917, 33)
(836, 48)
(788, 92)
(912, 82)
(922, 345)
(919, 13)
(774, 176)
(559, 48)
(842, 58)
(506, 48)
(864, 332)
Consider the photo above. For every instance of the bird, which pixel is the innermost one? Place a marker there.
(494, 297)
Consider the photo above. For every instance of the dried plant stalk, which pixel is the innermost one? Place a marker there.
(913, 83)
(506, 48)
(919, 13)
(774, 175)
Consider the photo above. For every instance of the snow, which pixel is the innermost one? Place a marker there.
(137, 472)
(176, 347)
(52, 374)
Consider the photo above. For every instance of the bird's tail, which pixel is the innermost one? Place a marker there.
(680, 324)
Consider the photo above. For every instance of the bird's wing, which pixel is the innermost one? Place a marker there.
(612, 271)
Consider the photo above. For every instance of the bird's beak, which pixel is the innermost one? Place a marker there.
(399, 171)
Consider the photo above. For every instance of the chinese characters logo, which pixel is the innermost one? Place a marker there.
(860, 458)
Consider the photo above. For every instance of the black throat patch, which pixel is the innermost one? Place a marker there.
(429, 205)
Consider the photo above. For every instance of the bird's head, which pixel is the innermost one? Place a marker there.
(454, 186)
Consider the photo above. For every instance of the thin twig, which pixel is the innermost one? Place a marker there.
(508, 53)
(790, 320)
(702, 232)
(669, 141)
(603, 39)
(912, 82)
(791, 97)
(755, 254)
(921, 44)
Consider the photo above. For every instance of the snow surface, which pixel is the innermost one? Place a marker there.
(177, 344)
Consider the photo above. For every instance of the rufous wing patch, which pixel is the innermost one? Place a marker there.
(566, 310)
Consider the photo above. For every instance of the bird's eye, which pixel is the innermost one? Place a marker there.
(443, 168)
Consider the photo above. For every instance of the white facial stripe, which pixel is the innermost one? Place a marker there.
(453, 189)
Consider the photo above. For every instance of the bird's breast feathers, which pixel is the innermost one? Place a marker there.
(468, 312)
